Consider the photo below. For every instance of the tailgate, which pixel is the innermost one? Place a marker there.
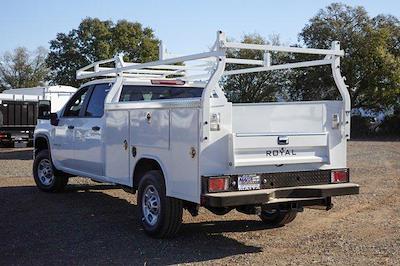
(285, 133)
(258, 149)
(18, 113)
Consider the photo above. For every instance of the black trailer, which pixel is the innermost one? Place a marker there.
(17, 121)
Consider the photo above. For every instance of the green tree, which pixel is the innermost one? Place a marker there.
(95, 40)
(259, 86)
(23, 69)
(371, 64)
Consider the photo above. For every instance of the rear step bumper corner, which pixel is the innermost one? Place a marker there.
(303, 194)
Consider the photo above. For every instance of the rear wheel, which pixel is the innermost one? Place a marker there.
(278, 217)
(47, 178)
(160, 216)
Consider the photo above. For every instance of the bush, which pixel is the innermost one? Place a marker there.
(361, 126)
(390, 126)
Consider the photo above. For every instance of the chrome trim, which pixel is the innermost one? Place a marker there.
(280, 133)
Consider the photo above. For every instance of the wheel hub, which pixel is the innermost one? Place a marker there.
(45, 172)
(151, 205)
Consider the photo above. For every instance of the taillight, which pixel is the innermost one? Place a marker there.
(167, 82)
(339, 176)
(216, 184)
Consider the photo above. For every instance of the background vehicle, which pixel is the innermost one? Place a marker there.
(19, 110)
(168, 132)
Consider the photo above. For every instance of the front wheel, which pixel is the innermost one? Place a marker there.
(278, 217)
(160, 216)
(45, 175)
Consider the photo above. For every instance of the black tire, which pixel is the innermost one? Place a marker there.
(55, 181)
(168, 213)
(278, 218)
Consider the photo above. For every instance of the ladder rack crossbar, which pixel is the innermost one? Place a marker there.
(279, 67)
(275, 48)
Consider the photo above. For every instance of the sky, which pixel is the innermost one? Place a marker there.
(183, 26)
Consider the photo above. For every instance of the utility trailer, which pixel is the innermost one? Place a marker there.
(19, 111)
(166, 130)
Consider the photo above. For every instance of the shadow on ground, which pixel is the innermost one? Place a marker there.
(83, 226)
(15, 154)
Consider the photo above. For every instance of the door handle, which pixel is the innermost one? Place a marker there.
(71, 127)
(95, 128)
(125, 144)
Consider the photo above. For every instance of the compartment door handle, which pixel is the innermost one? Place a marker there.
(283, 140)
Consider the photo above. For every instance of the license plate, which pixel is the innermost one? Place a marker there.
(248, 182)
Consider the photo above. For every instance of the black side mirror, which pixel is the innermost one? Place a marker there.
(54, 119)
(44, 109)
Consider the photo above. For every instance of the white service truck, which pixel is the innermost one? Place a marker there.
(166, 130)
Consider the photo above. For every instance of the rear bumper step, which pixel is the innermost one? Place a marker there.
(279, 195)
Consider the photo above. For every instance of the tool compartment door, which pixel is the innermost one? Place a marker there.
(184, 172)
(117, 149)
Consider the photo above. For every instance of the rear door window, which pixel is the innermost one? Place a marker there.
(131, 93)
(95, 107)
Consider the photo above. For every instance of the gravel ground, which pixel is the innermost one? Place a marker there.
(96, 224)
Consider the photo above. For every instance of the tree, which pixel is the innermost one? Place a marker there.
(259, 86)
(372, 61)
(371, 64)
(96, 40)
(21, 68)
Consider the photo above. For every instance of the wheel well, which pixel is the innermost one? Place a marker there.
(40, 144)
(142, 166)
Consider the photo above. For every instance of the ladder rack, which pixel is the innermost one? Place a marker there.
(205, 63)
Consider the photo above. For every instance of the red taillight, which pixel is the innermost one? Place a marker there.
(216, 184)
(339, 176)
(167, 82)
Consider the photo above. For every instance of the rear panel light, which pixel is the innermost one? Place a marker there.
(215, 120)
(216, 184)
(339, 176)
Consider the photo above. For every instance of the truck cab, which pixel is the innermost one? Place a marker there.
(173, 137)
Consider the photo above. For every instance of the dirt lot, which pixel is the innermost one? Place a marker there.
(96, 224)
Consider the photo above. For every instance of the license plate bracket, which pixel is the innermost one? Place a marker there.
(248, 182)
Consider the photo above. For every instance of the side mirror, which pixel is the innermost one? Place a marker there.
(44, 109)
(54, 119)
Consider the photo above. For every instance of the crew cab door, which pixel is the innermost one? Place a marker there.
(63, 148)
(89, 148)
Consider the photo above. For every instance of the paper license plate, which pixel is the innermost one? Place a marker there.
(248, 182)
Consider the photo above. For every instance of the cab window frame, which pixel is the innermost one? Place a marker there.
(86, 104)
(168, 87)
(74, 98)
